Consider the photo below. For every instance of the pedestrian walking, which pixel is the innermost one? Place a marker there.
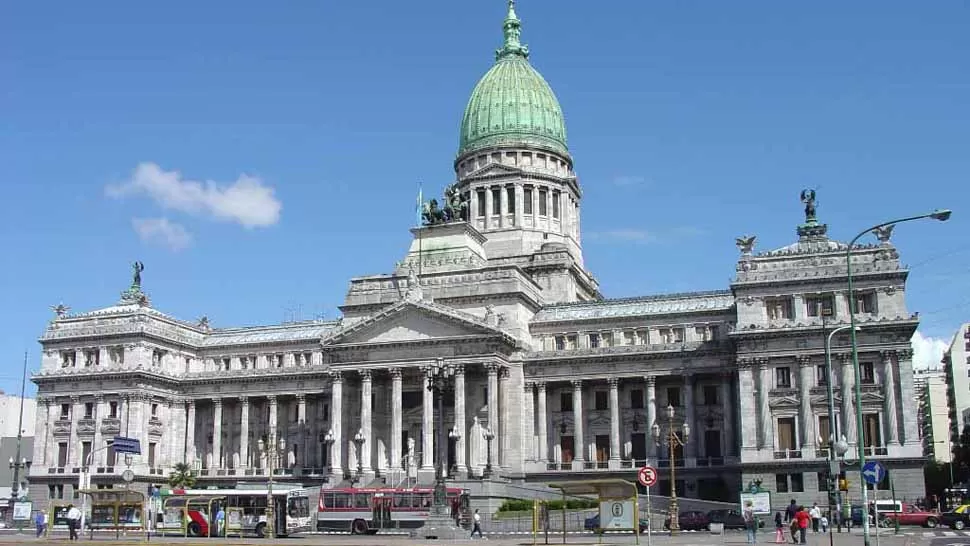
(40, 521)
(803, 518)
(824, 522)
(779, 529)
(477, 525)
(750, 523)
(791, 511)
(816, 514)
(73, 520)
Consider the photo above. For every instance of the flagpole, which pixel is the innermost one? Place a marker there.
(420, 238)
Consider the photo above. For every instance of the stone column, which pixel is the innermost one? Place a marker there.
(244, 431)
(503, 197)
(614, 421)
(806, 378)
(488, 224)
(427, 419)
(747, 404)
(543, 432)
(728, 409)
(460, 428)
(904, 367)
(397, 399)
(889, 392)
(301, 461)
(217, 433)
(764, 410)
(273, 424)
(504, 435)
(366, 401)
(528, 447)
(519, 204)
(848, 399)
(578, 417)
(690, 450)
(651, 393)
(98, 440)
(74, 448)
(493, 410)
(336, 422)
(189, 455)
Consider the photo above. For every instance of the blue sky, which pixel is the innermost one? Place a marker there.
(690, 123)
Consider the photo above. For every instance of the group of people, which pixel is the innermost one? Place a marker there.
(798, 519)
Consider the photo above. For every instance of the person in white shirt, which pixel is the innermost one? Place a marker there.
(73, 520)
(816, 515)
(477, 525)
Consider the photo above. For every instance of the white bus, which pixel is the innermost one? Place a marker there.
(192, 512)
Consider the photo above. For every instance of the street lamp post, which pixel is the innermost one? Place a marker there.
(453, 436)
(328, 440)
(489, 436)
(359, 440)
(673, 441)
(272, 452)
(837, 449)
(941, 215)
(18, 463)
(440, 524)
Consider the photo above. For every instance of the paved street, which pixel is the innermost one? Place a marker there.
(907, 537)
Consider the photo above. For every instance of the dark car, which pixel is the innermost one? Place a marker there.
(592, 523)
(732, 519)
(958, 518)
(691, 520)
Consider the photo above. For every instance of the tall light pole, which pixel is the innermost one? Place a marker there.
(18, 463)
(328, 440)
(941, 215)
(271, 451)
(673, 441)
(837, 449)
(488, 435)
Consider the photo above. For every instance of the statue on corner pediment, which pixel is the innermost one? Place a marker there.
(808, 197)
(745, 243)
(455, 208)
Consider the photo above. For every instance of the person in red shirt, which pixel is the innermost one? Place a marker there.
(803, 519)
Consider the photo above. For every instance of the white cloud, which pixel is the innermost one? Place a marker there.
(246, 201)
(162, 232)
(927, 351)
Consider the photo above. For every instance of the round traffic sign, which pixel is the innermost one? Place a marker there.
(647, 476)
(128, 475)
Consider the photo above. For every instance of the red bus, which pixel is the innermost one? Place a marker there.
(369, 510)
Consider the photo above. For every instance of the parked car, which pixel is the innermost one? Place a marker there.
(691, 520)
(958, 518)
(592, 523)
(732, 519)
(907, 514)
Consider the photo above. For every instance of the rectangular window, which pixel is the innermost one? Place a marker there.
(594, 340)
(113, 410)
(527, 200)
(783, 377)
(510, 198)
(786, 434)
(88, 410)
(481, 203)
(678, 335)
(496, 201)
(705, 333)
(85, 452)
(865, 303)
(871, 436)
(542, 202)
(821, 375)
(226, 364)
(601, 401)
(566, 443)
(151, 454)
(868, 373)
(824, 431)
(822, 478)
(565, 401)
(781, 483)
(673, 396)
(629, 338)
(643, 337)
(818, 306)
(779, 308)
(555, 204)
(560, 343)
(712, 443)
(154, 410)
(62, 455)
(606, 339)
(710, 395)
(797, 483)
(65, 411)
(636, 398)
(571, 341)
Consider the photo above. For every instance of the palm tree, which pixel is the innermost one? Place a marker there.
(181, 477)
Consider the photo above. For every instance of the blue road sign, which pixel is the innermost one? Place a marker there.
(126, 445)
(873, 472)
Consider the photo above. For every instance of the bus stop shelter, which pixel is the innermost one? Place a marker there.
(117, 509)
(618, 503)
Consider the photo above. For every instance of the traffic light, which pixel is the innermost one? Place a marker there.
(843, 482)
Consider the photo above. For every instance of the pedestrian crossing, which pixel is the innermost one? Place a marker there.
(945, 533)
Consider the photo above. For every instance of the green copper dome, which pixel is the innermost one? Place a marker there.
(512, 103)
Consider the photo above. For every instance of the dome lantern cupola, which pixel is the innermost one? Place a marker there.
(512, 105)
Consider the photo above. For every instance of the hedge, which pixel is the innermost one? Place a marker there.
(525, 505)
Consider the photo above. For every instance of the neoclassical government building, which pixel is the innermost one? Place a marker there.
(551, 380)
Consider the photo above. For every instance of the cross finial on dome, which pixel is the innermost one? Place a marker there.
(512, 30)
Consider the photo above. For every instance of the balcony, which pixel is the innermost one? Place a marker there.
(788, 454)
(111, 426)
(876, 451)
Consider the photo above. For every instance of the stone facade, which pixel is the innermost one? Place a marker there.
(551, 380)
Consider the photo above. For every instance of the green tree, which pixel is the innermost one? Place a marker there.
(181, 477)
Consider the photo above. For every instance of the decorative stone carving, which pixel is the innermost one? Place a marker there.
(745, 244)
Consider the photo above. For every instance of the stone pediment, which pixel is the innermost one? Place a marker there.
(784, 402)
(414, 321)
(494, 170)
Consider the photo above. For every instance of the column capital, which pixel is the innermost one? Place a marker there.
(577, 384)
(762, 363)
(244, 400)
(613, 382)
(846, 358)
(189, 403)
(803, 360)
(336, 376)
(688, 378)
(492, 368)
(459, 369)
(504, 372)
(397, 373)
(99, 397)
(904, 354)
(365, 375)
(271, 398)
(745, 363)
(217, 402)
(887, 356)
(541, 386)
(301, 397)
(75, 399)
(650, 380)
